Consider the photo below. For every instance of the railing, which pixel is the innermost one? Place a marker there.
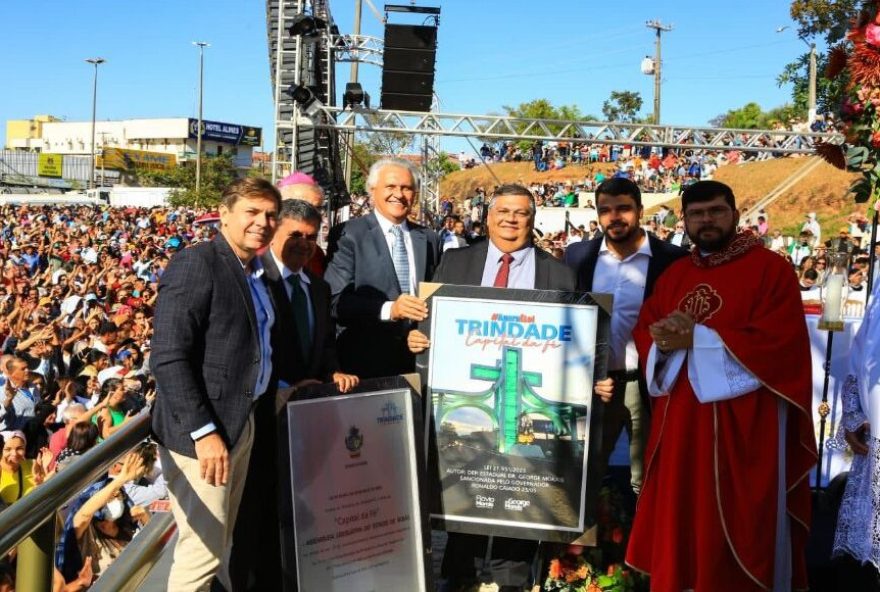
(29, 523)
(131, 568)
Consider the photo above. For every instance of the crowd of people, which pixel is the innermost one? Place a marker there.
(94, 332)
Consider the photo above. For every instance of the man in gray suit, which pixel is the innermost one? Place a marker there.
(211, 356)
(378, 262)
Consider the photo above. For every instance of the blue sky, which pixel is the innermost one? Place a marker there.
(491, 53)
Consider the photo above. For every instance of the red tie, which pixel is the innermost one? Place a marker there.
(503, 271)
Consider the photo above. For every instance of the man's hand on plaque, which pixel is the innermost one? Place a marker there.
(417, 342)
(604, 389)
(345, 382)
(409, 307)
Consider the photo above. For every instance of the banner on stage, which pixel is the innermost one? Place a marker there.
(513, 434)
(355, 489)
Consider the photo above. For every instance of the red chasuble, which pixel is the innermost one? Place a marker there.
(706, 517)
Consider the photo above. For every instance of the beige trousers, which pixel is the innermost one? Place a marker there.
(205, 515)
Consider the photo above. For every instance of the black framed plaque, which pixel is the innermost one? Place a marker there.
(513, 436)
(353, 489)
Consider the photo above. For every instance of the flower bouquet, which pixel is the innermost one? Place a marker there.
(856, 62)
(573, 573)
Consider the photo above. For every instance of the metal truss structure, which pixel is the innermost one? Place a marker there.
(765, 143)
(363, 49)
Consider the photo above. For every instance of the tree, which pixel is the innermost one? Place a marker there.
(363, 159)
(544, 109)
(751, 116)
(819, 18)
(216, 174)
(623, 106)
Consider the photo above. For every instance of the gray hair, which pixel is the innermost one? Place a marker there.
(513, 189)
(73, 411)
(373, 175)
(299, 210)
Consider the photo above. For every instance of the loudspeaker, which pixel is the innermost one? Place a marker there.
(408, 67)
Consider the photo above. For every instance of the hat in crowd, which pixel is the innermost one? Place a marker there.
(844, 230)
(45, 301)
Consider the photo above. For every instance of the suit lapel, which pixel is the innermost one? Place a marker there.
(542, 273)
(476, 264)
(380, 245)
(588, 268)
(233, 264)
(654, 265)
(420, 250)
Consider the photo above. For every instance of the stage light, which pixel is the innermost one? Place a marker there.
(306, 99)
(354, 95)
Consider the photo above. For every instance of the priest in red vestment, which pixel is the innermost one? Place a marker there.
(725, 504)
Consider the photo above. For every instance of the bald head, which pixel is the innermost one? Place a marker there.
(310, 193)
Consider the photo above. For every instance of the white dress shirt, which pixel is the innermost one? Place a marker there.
(626, 279)
(522, 268)
(385, 224)
(306, 282)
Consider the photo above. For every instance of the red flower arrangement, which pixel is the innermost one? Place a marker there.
(857, 60)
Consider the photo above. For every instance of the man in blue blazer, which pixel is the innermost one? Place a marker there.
(211, 356)
(378, 262)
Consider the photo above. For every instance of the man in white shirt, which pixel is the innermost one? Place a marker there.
(625, 262)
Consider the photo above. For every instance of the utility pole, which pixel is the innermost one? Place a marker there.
(95, 62)
(201, 45)
(353, 77)
(811, 114)
(658, 28)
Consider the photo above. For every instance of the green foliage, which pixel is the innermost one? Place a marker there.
(364, 157)
(544, 109)
(623, 106)
(751, 116)
(828, 19)
(216, 174)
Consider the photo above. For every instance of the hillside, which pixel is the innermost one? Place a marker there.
(823, 191)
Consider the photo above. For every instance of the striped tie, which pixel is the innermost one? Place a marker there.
(401, 262)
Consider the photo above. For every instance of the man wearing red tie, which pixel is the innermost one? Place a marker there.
(507, 260)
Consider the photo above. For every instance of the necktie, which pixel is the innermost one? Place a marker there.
(503, 271)
(401, 262)
(300, 314)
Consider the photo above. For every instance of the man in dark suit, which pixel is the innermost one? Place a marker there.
(377, 265)
(303, 352)
(211, 356)
(507, 260)
(625, 262)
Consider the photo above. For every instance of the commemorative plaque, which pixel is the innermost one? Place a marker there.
(513, 433)
(355, 490)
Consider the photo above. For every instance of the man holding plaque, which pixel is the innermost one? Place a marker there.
(507, 260)
(378, 262)
(626, 262)
(725, 505)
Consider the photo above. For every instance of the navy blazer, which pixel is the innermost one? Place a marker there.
(464, 267)
(582, 258)
(287, 358)
(362, 278)
(205, 348)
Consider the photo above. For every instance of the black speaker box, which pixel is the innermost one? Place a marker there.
(410, 37)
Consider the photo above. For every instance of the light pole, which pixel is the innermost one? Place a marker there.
(811, 89)
(95, 62)
(201, 45)
(658, 28)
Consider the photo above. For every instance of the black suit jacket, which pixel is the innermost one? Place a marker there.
(205, 348)
(288, 363)
(361, 277)
(465, 267)
(582, 258)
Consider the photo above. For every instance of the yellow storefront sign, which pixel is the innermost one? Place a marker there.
(124, 159)
(49, 165)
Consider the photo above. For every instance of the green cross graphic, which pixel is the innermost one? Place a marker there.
(510, 395)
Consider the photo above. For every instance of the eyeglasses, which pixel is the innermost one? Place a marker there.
(714, 212)
(518, 214)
